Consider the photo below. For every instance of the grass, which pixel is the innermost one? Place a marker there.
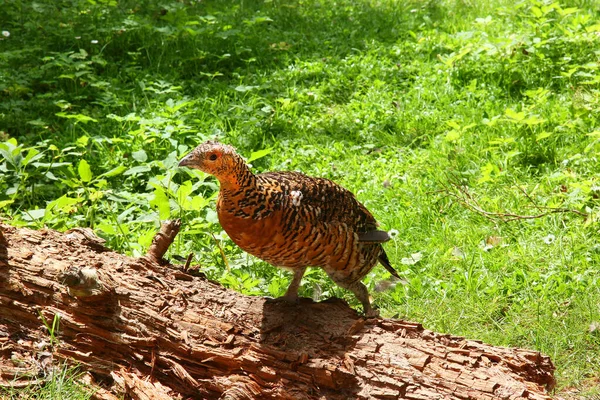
(404, 103)
(62, 383)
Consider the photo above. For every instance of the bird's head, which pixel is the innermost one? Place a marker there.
(217, 159)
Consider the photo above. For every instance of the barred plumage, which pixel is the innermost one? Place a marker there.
(294, 221)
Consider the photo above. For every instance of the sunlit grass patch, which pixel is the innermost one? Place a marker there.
(442, 117)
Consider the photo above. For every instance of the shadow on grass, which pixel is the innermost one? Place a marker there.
(93, 56)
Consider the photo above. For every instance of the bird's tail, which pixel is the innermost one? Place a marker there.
(385, 261)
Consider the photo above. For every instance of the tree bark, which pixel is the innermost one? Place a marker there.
(151, 331)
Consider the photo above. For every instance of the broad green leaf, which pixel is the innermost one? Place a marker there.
(32, 155)
(78, 117)
(50, 165)
(211, 216)
(512, 114)
(37, 122)
(139, 155)
(242, 88)
(114, 172)
(145, 238)
(81, 55)
(106, 228)
(452, 135)
(593, 28)
(536, 12)
(137, 170)
(5, 203)
(161, 201)
(267, 109)
(85, 172)
(453, 124)
(534, 120)
(179, 105)
(543, 135)
(198, 203)
(486, 173)
(171, 161)
(33, 215)
(151, 216)
(184, 191)
(50, 175)
(63, 204)
(83, 141)
(121, 218)
(96, 195)
(567, 11)
(259, 154)
(257, 19)
(10, 153)
(502, 141)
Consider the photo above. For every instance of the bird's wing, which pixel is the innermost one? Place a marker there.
(321, 200)
(373, 237)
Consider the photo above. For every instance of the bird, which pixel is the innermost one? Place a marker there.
(294, 221)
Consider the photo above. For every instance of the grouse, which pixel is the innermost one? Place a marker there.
(294, 221)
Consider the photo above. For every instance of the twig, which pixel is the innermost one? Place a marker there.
(464, 200)
(188, 262)
(529, 197)
(468, 201)
(583, 214)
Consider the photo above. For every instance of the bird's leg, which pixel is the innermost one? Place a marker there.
(362, 294)
(291, 293)
(359, 290)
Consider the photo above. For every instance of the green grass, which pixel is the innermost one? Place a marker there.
(404, 103)
(62, 383)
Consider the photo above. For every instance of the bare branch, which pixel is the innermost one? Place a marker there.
(461, 194)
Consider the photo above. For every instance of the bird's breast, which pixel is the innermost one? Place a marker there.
(249, 233)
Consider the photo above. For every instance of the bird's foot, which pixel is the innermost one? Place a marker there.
(372, 313)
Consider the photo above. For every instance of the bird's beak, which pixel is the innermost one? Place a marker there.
(187, 160)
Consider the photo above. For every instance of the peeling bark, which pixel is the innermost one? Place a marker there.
(154, 332)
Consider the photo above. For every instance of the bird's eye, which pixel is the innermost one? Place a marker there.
(213, 157)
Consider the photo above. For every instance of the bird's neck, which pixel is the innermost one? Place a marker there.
(238, 178)
(235, 201)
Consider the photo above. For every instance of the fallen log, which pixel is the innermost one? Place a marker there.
(143, 329)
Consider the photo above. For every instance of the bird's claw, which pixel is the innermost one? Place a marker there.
(372, 313)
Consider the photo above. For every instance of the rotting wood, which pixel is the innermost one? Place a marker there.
(155, 332)
(162, 240)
